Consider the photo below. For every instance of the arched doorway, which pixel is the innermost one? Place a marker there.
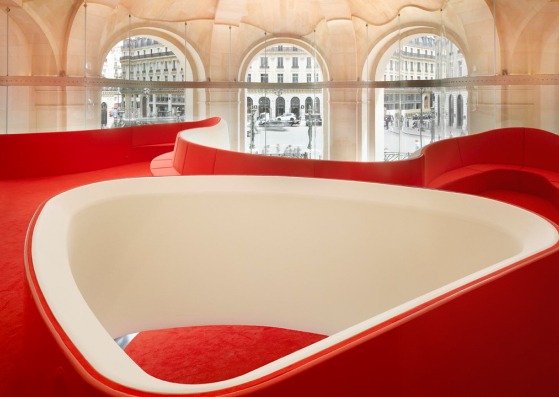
(280, 106)
(264, 108)
(295, 104)
(308, 105)
(249, 105)
(317, 106)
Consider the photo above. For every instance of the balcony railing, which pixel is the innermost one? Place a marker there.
(125, 58)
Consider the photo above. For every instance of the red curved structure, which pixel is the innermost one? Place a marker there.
(494, 334)
(498, 336)
(515, 164)
(60, 153)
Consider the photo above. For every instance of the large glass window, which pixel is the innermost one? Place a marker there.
(280, 106)
(415, 117)
(352, 118)
(282, 125)
(139, 105)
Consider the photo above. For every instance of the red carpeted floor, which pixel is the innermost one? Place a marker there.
(19, 198)
(213, 353)
(188, 355)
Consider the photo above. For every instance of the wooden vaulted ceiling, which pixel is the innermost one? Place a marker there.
(52, 29)
(297, 17)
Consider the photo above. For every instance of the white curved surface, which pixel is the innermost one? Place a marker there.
(325, 256)
(216, 136)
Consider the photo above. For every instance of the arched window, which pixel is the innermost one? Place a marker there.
(249, 105)
(285, 138)
(308, 105)
(148, 68)
(264, 106)
(280, 106)
(317, 105)
(295, 102)
(431, 57)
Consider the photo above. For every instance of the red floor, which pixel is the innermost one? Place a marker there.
(190, 355)
(211, 354)
(19, 199)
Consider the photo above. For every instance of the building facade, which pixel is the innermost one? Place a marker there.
(284, 64)
(143, 59)
(441, 112)
(48, 46)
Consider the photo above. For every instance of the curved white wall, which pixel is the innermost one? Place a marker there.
(326, 256)
(216, 136)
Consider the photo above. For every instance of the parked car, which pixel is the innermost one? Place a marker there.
(290, 118)
(275, 125)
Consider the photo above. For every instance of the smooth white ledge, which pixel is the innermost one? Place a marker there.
(216, 136)
(325, 256)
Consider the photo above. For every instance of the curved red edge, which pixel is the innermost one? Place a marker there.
(105, 387)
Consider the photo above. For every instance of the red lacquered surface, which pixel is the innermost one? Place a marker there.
(493, 336)
(57, 153)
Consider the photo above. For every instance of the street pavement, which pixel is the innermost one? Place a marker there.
(288, 141)
(294, 141)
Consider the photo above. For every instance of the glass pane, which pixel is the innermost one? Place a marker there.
(41, 109)
(138, 106)
(294, 133)
(4, 109)
(284, 121)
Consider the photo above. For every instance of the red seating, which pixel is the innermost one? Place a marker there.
(57, 153)
(190, 158)
(200, 160)
(500, 327)
(540, 152)
(515, 159)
